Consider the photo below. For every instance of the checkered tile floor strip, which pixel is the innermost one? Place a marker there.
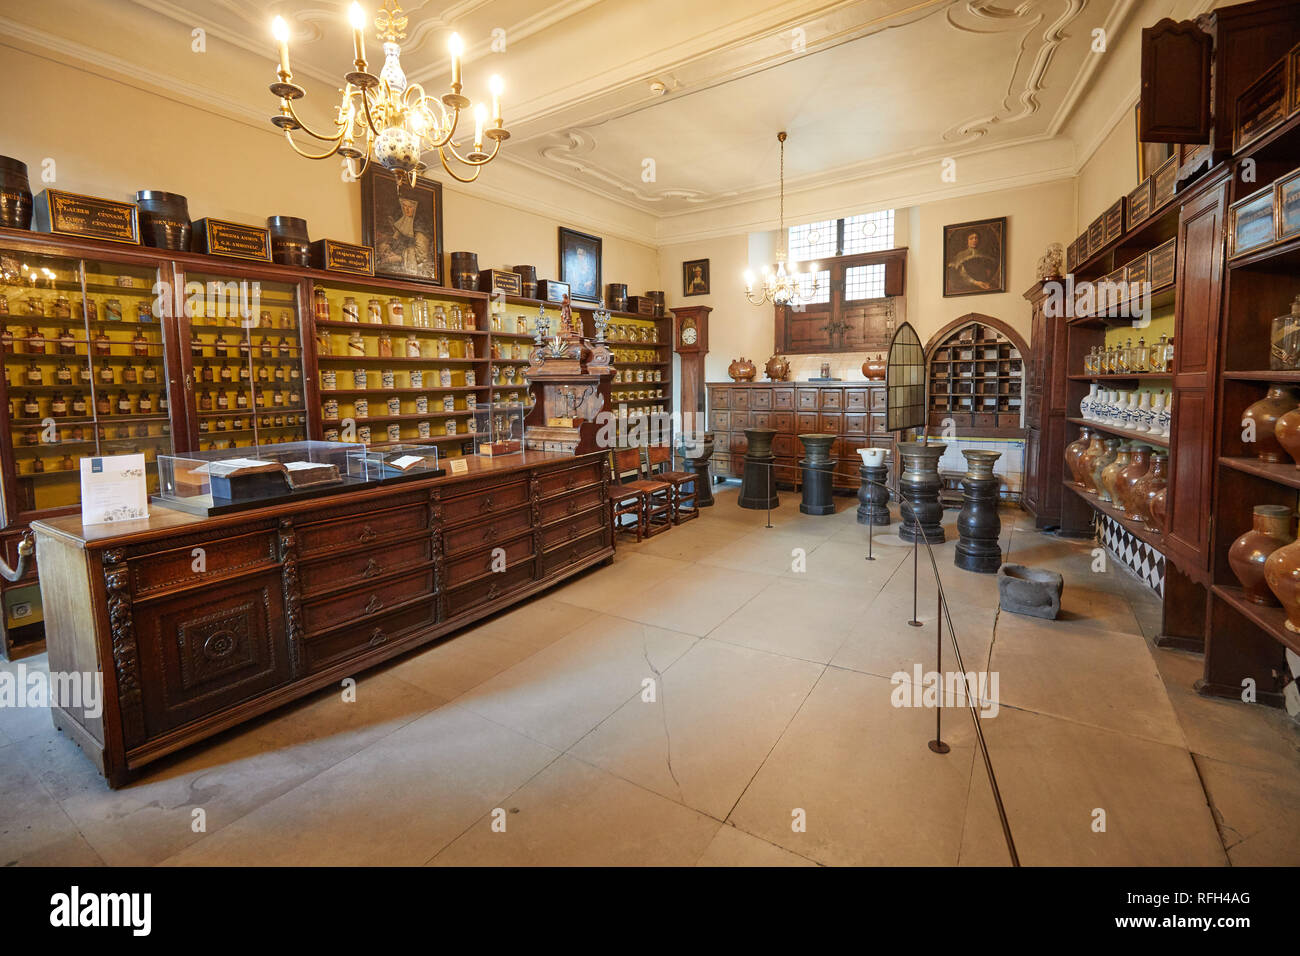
(1132, 552)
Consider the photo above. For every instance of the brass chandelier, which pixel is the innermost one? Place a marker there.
(384, 117)
(782, 287)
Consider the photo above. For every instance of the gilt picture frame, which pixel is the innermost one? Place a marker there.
(580, 264)
(975, 258)
(403, 224)
(695, 277)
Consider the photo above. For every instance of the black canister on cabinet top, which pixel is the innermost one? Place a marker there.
(15, 194)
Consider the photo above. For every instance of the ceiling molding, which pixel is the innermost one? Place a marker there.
(578, 142)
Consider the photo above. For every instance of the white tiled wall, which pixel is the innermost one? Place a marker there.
(1011, 466)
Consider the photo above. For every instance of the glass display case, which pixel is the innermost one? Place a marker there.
(399, 366)
(246, 358)
(224, 480)
(499, 429)
(84, 346)
(394, 461)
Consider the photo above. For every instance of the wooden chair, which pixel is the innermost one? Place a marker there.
(685, 487)
(632, 498)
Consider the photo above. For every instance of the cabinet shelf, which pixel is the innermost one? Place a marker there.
(403, 391)
(1152, 538)
(1145, 437)
(1282, 473)
(1263, 375)
(1271, 620)
(388, 326)
(401, 361)
(1129, 377)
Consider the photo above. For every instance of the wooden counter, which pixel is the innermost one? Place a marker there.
(198, 624)
(854, 412)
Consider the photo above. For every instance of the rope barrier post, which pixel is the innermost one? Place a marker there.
(937, 745)
(916, 545)
(769, 493)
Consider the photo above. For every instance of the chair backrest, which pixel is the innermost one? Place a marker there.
(625, 461)
(658, 458)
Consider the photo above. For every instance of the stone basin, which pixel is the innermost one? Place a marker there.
(1033, 592)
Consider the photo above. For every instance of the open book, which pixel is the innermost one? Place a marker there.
(298, 474)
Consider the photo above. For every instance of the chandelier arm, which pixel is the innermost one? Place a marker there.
(453, 174)
(325, 155)
(338, 133)
(370, 119)
(474, 162)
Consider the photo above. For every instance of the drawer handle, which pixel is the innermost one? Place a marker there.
(377, 637)
(490, 533)
(487, 504)
(368, 534)
(574, 530)
(573, 506)
(372, 568)
(374, 604)
(493, 591)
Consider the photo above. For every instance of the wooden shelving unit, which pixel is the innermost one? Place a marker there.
(976, 377)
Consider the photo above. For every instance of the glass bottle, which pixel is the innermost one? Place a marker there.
(150, 374)
(205, 372)
(79, 406)
(31, 407)
(385, 345)
(35, 341)
(123, 402)
(139, 345)
(321, 305)
(439, 317)
(146, 404)
(374, 312)
(67, 342)
(130, 376)
(58, 405)
(1169, 355)
(1284, 341)
(7, 340)
(396, 312)
(1141, 356)
(227, 376)
(351, 313)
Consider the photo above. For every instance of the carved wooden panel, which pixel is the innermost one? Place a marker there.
(1175, 101)
(205, 650)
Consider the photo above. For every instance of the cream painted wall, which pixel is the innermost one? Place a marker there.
(1037, 216)
(128, 139)
(1109, 173)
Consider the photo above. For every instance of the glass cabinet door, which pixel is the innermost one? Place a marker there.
(246, 357)
(85, 366)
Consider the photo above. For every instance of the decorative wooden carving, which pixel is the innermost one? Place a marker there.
(126, 661)
(292, 602)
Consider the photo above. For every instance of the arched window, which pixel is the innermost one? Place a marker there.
(905, 381)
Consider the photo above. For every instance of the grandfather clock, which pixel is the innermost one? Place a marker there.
(691, 342)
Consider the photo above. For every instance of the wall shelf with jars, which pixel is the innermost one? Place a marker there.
(400, 364)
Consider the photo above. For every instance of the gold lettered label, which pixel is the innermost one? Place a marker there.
(1160, 265)
(235, 239)
(70, 214)
(347, 257)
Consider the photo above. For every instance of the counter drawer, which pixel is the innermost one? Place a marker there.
(783, 398)
(472, 596)
(460, 541)
(719, 398)
(558, 482)
(760, 398)
(783, 446)
(465, 569)
(806, 422)
(317, 576)
(720, 421)
(760, 419)
(558, 508)
(878, 424)
(783, 421)
(855, 423)
(374, 527)
(877, 400)
(487, 501)
(592, 520)
(740, 398)
(855, 399)
(365, 602)
(806, 399)
(573, 552)
(327, 649)
(832, 398)
(831, 423)
(739, 421)
(164, 570)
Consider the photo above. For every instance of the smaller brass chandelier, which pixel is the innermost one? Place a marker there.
(782, 286)
(384, 117)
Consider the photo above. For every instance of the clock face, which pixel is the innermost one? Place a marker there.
(688, 335)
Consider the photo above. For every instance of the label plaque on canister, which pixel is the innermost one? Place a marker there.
(1160, 264)
(343, 257)
(497, 280)
(70, 214)
(221, 238)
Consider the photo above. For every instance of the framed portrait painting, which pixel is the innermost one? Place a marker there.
(975, 257)
(695, 277)
(580, 256)
(404, 225)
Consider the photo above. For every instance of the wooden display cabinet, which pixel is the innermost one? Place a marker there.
(372, 367)
(976, 376)
(1046, 390)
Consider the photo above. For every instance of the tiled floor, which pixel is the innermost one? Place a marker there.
(720, 695)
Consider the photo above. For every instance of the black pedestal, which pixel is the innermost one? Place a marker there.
(978, 527)
(918, 493)
(873, 495)
(818, 475)
(758, 483)
(699, 464)
(818, 479)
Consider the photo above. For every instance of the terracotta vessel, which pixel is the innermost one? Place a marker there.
(1107, 456)
(1159, 511)
(1151, 484)
(742, 370)
(1086, 461)
(1074, 450)
(1282, 575)
(777, 368)
(1139, 464)
(1123, 456)
(1264, 414)
(1248, 555)
(874, 369)
(1287, 432)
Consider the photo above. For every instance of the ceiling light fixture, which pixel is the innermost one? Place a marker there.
(782, 287)
(385, 117)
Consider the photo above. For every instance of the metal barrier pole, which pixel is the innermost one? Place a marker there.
(916, 550)
(937, 745)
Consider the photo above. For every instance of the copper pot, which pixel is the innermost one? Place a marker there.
(1249, 554)
(1264, 414)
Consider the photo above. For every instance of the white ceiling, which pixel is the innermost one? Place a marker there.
(859, 84)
